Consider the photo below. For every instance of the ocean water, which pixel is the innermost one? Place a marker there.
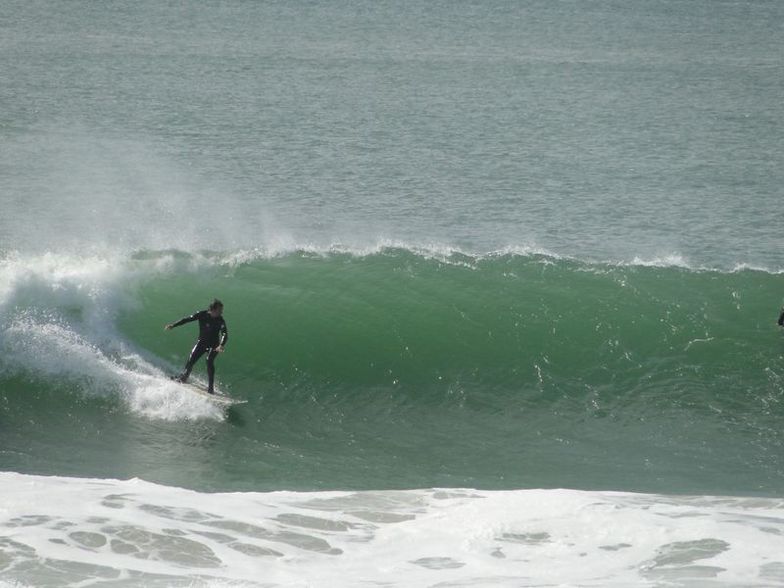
(501, 281)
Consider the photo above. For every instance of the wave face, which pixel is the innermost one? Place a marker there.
(396, 368)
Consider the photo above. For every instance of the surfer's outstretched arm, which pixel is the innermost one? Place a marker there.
(182, 321)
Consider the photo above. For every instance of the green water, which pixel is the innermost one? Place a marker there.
(401, 370)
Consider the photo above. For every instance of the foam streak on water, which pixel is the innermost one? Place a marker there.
(58, 531)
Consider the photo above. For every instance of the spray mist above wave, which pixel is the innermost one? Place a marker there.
(88, 192)
(80, 190)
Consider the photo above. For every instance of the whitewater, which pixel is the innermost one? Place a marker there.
(112, 533)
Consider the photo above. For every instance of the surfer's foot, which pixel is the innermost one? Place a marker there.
(180, 379)
(210, 391)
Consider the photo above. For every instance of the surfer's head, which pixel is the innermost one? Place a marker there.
(216, 307)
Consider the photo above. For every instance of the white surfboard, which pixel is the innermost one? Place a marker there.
(218, 398)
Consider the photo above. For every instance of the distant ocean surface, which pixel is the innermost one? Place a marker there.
(501, 282)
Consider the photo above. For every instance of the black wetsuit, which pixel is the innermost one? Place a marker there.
(212, 334)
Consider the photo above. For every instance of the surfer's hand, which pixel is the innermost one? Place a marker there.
(168, 327)
(219, 349)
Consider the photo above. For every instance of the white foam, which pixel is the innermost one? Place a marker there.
(749, 267)
(427, 250)
(456, 255)
(136, 533)
(669, 260)
(58, 316)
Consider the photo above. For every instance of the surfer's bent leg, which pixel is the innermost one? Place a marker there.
(211, 370)
(197, 351)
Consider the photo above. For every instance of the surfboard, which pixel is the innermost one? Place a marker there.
(217, 398)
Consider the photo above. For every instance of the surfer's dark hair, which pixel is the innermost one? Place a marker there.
(216, 304)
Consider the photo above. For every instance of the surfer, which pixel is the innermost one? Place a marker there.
(213, 336)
